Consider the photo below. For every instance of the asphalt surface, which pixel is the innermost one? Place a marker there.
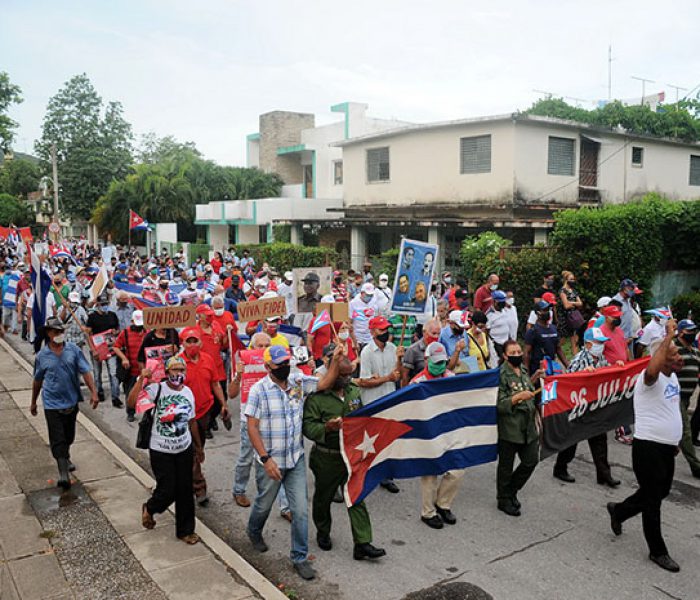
(561, 546)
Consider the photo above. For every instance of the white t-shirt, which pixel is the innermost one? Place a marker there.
(361, 313)
(287, 292)
(652, 331)
(657, 414)
(374, 361)
(177, 408)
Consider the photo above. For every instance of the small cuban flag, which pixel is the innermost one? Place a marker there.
(359, 315)
(137, 223)
(321, 320)
(549, 392)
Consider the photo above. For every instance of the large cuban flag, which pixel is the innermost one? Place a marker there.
(423, 429)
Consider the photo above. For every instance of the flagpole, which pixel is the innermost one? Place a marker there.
(129, 249)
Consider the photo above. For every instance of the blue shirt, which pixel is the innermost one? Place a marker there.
(59, 373)
(449, 339)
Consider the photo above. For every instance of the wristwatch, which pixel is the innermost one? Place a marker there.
(265, 458)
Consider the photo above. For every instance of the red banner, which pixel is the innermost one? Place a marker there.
(103, 344)
(577, 406)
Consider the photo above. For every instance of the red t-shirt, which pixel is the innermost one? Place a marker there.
(200, 377)
(482, 298)
(322, 337)
(224, 320)
(129, 342)
(615, 347)
(212, 344)
(216, 265)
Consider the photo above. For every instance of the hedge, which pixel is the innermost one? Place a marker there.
(687, 306)
(285, 257)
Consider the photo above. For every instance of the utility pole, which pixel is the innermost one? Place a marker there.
(644, 82)
(55, 229)
(610, 59)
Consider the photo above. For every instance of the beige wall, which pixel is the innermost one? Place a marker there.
(425, 168)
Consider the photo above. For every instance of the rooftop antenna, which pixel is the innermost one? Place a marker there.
(644, 82)
(677, 88)
(610, 60)
(547, 95)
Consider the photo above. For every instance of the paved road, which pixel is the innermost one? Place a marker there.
(561, 547)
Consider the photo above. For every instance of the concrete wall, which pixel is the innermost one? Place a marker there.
(248, 234)
(253, 152)
(425, 168)
(279, 129)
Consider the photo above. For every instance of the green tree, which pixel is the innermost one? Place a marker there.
(92, 148)
(9, 94)
(19, 177)
(15, 211)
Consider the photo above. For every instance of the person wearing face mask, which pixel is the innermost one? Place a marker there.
(616, 349)
(658, 429)
(550, 299)
(569, 318)
(126, 348)
(542, 340)
(124, 310)
(517, 433)
(589, 358)
(479, 343)
(482, 296)
(101, 320)
(413, 360)
(286, 290)
(688, 380)
(362, 309)
(547, 286)
(57, 367)
(203, 379)
(499, 322)
(454, 340)
(323, 418)
(222, 317)
(437, 494)
(652, 331)
(625, 297)
(338, 287)
(74, 317)
(175, 440)
(383, 292)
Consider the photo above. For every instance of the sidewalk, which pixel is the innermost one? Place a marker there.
(89, 542)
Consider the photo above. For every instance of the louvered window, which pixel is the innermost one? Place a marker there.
(694, 170)
(561, 156)
(475, 154)
(378, 164)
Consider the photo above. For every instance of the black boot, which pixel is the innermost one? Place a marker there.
(362, 551)
(63, 474)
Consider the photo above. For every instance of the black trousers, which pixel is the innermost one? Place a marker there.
(695, 423)
(61, 426)
(173, 474)
(599, 451)
(128, 385)
(653, 465)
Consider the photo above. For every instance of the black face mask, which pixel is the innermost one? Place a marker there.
(688, 337)
(338, 280)
(137, 327)
(383, 337)
(281, 373)
(456, 330)
(342, 382)
(543, 316)
(500, 305)
(617, 322)
(515, 361)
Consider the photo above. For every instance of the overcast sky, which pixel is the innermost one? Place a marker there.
(203, 71)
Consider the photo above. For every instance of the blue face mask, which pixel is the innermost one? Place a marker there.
(176, 379)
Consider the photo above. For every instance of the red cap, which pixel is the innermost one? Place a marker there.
(336, 273)
(638, 291)
(204, 309)
(379, 323)
(612, 311)
(190, 332)
(549, 297)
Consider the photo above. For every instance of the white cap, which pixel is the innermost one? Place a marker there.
(289, 276)
(328, 298)
(457, 317)
(383, 277)
(367, 288)
(137, 318)
(74, 297)
(260, 283)
(603, 301)
(269, 294)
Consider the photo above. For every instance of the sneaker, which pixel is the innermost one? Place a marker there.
(305, 570)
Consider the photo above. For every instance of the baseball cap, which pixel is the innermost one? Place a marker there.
(379, 323)
(259, 283)
(594, 334)
(328, 299)
(54, 323)
(612, 311)
(103, 299)
(436, 351)
(461, 294)
(276, 354)
(543, 305)
(337, 273)
(190, 332)
(603, 301)
(625, 283)
(311, 277)
(204, 309)
(121, 266)
(499, 296)
(686, 325)
(457, 316)
(549, 297)
(173, 361)
(137, 318)
(288, 275)
(74, 297)
(367, 288)
(273, 319)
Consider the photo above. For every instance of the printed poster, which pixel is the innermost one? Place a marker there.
(414, 276)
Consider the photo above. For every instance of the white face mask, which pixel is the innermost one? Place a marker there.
(494, 287)
(59, 339)
(510, 301)
(343, 335)
(597, 349)
(218, 311)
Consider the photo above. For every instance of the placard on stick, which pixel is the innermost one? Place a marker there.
(337, 310)
(169, 316)
(261, 309)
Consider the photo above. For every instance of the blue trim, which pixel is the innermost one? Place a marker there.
(253, 136)
(344, 107)
(291, 149)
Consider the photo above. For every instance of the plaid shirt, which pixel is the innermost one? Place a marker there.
(280, 413)
(73, 331)
(585, 359)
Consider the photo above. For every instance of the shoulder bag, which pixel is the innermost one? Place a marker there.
(143, 436)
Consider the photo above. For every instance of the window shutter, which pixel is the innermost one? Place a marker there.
(475, 154)
(378, 164)
(694, 170)
(561, 156)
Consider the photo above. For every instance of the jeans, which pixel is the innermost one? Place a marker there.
(241, 472)
(294, 482)
(9, 318)
(61, 427)
(111, 364)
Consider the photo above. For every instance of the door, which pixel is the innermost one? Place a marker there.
(308, 181)
(588, 171)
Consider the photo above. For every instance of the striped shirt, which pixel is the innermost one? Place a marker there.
(585, 359)
(9, 289)
(688, 375)
(280, 413)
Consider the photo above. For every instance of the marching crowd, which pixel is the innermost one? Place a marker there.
(316, 374)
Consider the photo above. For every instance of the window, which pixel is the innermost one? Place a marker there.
(378, 164)
(475, 154)
(561, 156)
(263, 234)
(694, 170)
(337, 172)
(637, 156)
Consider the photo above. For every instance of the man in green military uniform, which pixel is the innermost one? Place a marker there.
(323, 414)
(517, 433)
